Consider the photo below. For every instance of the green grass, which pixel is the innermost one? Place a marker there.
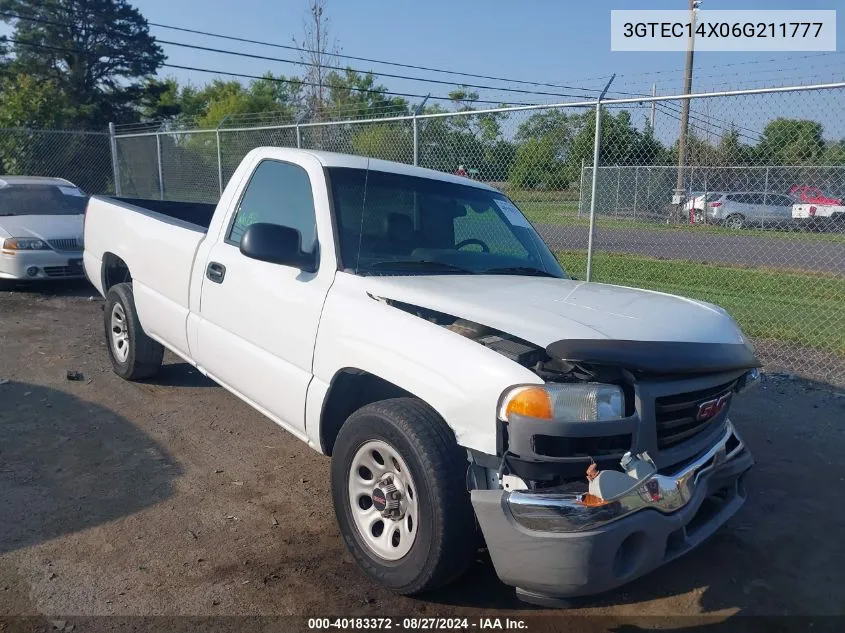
(805, 309)
(564, 212)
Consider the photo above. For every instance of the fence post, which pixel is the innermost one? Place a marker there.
(766, 185)
(416, 141)
(618, 187)
(636, 186)
(581, 187)
(160, 174)
(596, 148)
(298, 137)
(219, 154)
(115, 164)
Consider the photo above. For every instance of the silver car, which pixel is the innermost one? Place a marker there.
(40, 228)
(744, 209)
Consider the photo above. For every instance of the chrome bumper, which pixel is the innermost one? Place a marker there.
(549, 511)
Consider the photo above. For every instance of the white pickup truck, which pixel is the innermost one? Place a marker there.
(412, 325)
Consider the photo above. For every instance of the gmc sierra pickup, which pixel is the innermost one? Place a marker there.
(412, 325)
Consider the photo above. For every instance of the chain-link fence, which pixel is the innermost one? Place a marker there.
(741, 207)
(84, 158)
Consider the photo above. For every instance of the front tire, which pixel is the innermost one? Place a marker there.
(400, 452)
(134, 355)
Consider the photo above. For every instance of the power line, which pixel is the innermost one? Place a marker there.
(391, 75)
(307, 50)
(732, 64)
(297, 82)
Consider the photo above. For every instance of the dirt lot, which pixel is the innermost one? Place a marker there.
(173, 497)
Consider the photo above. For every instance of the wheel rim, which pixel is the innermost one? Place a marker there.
(379, 479)
(734, 223)
(119, 333)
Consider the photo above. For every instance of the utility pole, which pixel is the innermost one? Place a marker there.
(678, 198)
(653, 106)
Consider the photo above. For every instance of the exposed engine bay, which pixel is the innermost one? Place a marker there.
(516, 349)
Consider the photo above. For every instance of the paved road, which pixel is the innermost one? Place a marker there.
(705, 247)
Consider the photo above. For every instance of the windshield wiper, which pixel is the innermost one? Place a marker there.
(518, 270)
(418, 264)
(7, 214)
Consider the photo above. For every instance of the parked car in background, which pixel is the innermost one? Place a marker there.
(40, 228)
(697, 202)
(743, 209)
(812, 195)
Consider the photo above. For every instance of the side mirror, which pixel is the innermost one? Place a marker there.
(277, 245)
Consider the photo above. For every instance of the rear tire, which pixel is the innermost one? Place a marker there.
(735, 221)
(134, 355)
(443, 537)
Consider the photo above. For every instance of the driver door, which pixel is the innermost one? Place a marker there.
(259, 320)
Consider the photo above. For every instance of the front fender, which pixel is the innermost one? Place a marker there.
(460, 379)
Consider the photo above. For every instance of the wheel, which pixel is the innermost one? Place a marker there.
(134, 355)
(735, 221)
(400, 497)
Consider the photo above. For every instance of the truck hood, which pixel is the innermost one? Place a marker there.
(543, 310)
(45, 227)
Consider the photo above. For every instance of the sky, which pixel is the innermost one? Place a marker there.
(563, 42)
(552, 41)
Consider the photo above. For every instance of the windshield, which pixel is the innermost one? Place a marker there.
(395, 224)
(41, 199)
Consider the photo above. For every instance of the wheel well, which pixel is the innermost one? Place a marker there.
(350, 390)
(114, 271)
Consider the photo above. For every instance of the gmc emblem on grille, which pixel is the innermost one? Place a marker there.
(712, 408)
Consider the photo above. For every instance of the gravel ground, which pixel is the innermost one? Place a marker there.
(173, 497)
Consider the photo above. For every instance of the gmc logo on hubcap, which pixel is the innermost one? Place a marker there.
(712, 408)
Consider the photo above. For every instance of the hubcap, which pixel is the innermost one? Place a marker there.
(119, 333)
(383, 499)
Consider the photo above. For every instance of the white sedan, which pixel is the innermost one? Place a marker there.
(40, 228)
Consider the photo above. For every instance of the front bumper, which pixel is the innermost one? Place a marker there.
(548, 545)
(50, 264)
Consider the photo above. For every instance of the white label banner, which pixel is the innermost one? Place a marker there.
(723, 30)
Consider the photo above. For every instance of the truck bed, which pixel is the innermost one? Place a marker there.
(157, 241)
(197, 213)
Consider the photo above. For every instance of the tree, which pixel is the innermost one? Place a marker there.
(388, 141)
(791, 142)
(29, 102)
(98, 52)
(319, 51)
(352, 95)
(538, 166)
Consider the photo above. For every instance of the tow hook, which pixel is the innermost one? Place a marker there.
(610, 484)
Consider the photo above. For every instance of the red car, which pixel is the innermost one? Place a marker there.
(812, 195)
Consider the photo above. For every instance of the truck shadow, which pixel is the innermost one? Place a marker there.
(780, 555)
(51, 288)
(67, 465)
(180, 374)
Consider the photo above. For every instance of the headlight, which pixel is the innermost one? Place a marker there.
(590, 402)
(24, 244)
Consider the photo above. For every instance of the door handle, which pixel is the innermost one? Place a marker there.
(215, 272)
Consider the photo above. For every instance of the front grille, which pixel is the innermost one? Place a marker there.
(65, 244)
(676, 415)
(62, 271)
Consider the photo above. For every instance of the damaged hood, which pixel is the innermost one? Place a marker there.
(543, 310)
